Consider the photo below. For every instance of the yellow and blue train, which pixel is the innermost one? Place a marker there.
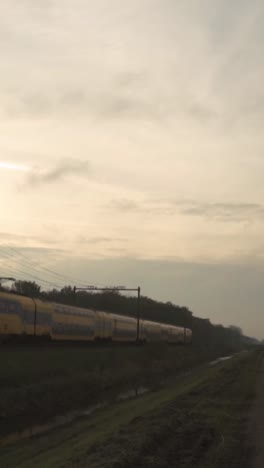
(25, 317)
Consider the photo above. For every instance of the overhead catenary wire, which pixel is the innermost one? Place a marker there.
(38, 266)
(32, 277)
(28, 265)
(11, 253)
(26, 274)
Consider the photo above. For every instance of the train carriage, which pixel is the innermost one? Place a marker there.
(73, 323)
(17, 315)
(176, 334)
(21, 316)
(104, 326)
(153, 331)
(124, 329)
(43, 319)
(187, 336)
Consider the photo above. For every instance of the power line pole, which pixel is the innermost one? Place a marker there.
(138, 312)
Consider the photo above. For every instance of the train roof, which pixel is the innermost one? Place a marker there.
(73, 306)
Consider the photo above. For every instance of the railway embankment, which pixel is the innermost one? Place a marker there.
(38, 384)
(199, 419)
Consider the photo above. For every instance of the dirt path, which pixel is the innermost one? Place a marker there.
(256, 422)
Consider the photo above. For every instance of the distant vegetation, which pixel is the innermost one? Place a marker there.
(204, 332)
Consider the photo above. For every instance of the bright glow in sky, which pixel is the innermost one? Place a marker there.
(15, 167)
(135, 131)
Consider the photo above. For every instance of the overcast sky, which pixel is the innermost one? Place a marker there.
(131, 148)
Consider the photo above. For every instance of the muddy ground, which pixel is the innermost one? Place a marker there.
(37, 384)
(199, 421)
(256, 422)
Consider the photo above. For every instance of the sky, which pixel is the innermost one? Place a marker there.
(131, 149)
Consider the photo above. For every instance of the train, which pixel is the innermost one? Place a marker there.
(23, 317)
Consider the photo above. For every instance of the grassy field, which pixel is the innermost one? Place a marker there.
(40, 383)
(197, 421)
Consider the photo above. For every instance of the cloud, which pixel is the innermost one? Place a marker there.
(130, 94)
(107, 104)
(127, 205)
(15, 243)
(99, 240)
(65, 168)
(8, 236)
(34, 250)
(138, 62)
(225, 212)
(10, 239)
(130, 79)
(200, 112)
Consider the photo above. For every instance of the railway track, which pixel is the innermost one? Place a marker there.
(65, 344)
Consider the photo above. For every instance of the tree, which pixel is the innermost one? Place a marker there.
(236, 330)
(29, 288)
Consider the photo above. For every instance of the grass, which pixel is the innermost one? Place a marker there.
(198, 421)
(39, 383)
(202, 425)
